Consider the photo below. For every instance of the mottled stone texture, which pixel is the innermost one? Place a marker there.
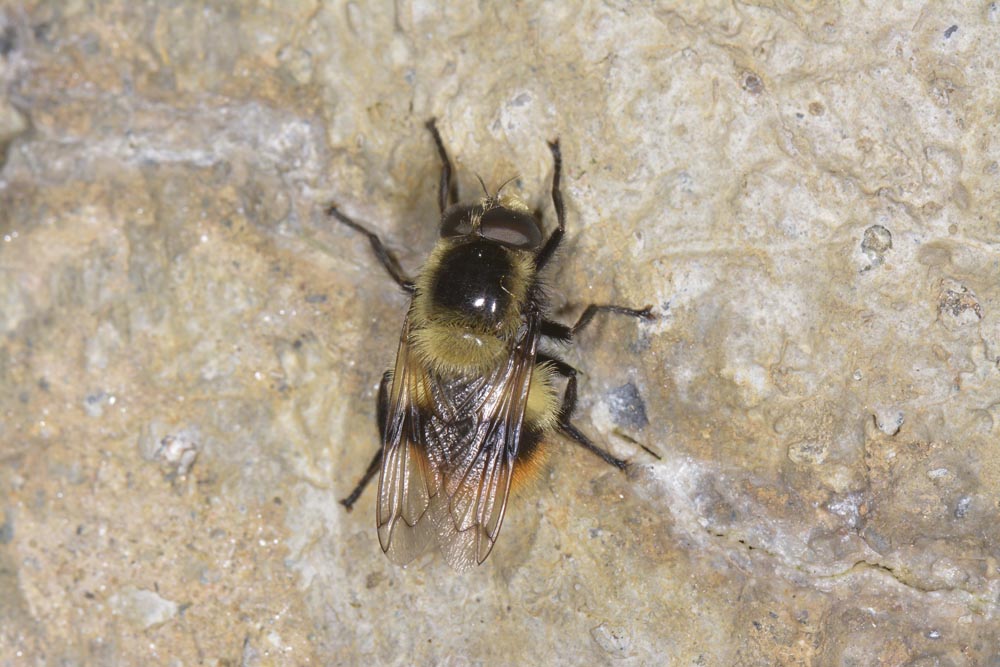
(807, 193)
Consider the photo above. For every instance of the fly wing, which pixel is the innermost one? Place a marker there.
(407, 481)
(448, 454)
(474, 450)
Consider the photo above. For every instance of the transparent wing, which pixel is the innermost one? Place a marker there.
(449, 452)
(477, 466)
(407, 482)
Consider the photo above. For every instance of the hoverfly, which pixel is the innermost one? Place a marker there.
(471, 400)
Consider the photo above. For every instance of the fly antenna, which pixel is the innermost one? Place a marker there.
(485, 191)
(505, 184)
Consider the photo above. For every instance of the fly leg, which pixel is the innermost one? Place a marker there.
(447, 194)
(554, 329)
(564, 333)
(373, 468)
(557, 364)
(565, 426)
(383, 254)
(549, 249)
(376, 462)
(447, 190)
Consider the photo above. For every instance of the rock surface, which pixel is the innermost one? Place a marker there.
(806, 193)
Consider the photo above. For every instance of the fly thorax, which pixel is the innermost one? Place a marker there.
(475, 284)
(467, 306)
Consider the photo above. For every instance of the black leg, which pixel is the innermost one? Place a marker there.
(376, 463)
(447, 190)
(373, 468)
(562, 332)
(574, 434)
(557, 364)
(388, 260)
(545, 254)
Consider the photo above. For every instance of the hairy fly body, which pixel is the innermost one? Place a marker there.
(471, 403)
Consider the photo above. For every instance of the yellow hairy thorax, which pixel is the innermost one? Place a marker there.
(450, 348)
(452, 344)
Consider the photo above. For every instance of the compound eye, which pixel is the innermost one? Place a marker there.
(457, 220)
(511, 228)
